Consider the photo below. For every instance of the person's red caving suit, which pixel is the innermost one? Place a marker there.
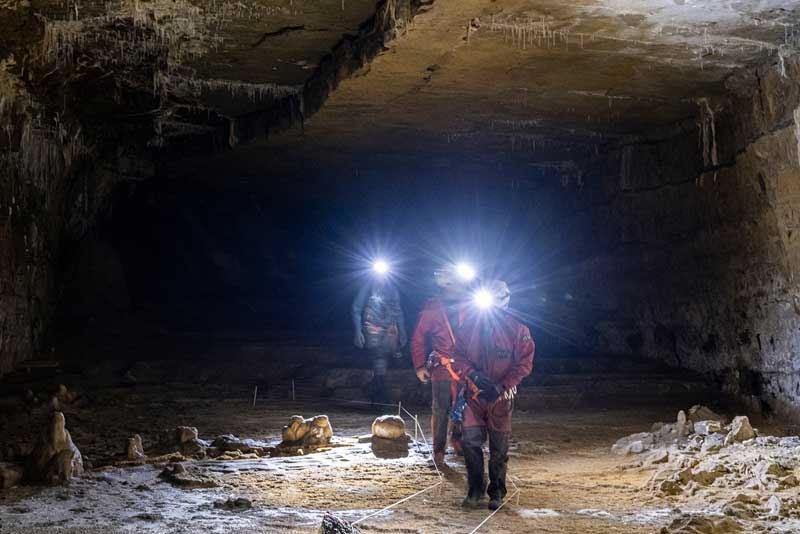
(506, 361)
(432, 333)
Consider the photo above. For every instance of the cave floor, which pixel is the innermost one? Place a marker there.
(568, 480)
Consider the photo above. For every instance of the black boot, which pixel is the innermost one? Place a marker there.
(498, 465)
(473, 458)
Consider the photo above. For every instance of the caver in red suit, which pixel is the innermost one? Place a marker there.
(439, 322)
(496, 352)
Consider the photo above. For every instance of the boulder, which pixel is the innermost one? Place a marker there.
(315, 431)
(134, 451)
(55, 458)
(740, 430)
(10, 474)
(389, 427)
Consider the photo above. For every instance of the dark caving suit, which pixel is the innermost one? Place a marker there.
(496, 351)
(437, 329)
(378, 317)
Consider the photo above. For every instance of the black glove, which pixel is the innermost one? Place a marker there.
(489, 390)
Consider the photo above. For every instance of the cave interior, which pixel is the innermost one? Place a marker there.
(192, 192)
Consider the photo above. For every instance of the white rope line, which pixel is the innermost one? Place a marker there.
(474, 530)
(400, 410)
(401, 501)
(425, 441)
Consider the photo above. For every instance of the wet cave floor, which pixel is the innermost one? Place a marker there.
(560, 461)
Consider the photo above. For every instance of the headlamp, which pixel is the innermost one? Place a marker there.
(465, 272)
(483, 299)
(380, 267)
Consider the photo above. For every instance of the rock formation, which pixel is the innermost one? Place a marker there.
(315, 431)
(55, 458)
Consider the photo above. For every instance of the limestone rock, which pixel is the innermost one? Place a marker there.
(712, 443)
(389, 427)
(239, 503)
(55, 458)
(633, 444)
(774, 507)
(740, 430)
(315, 431)
(333, 525)
(702, 413)
(63, 394)
(186, 434)
(704, 428)
(178, 475)
(702, 525)
(10, 474)
(229, 442)
(134, 451)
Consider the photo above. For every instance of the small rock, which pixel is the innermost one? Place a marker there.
(389, 427)
(186, 434)
(659, 456)
(239, 503)
(740, 430)
(134, 451)
(10, 474)
(178, 475)
(333, 525)
(633, 444)
(704, 428)
(774, 507)
(63, 394)
(712, 443)
(702, 413)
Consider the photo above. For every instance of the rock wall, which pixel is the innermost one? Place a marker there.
(709, 245)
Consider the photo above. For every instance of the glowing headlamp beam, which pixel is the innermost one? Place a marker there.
(483, 299)
(465, 271)
(380, 266)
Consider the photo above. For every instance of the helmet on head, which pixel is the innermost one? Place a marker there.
(500, 293)
(454, 275)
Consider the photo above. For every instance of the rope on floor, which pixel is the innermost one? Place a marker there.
(400, 409)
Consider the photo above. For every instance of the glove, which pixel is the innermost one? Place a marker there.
(424, 375)
(489, 390)
(359, 340)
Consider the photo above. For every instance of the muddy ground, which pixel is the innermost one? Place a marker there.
(568, 479)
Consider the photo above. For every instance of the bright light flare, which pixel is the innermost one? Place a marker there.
(465, 272)
(483, 299)
(380, 267)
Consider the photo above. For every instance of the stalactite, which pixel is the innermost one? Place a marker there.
(797, 132)
(708, 133)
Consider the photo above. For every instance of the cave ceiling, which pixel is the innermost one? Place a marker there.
(531, 80)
